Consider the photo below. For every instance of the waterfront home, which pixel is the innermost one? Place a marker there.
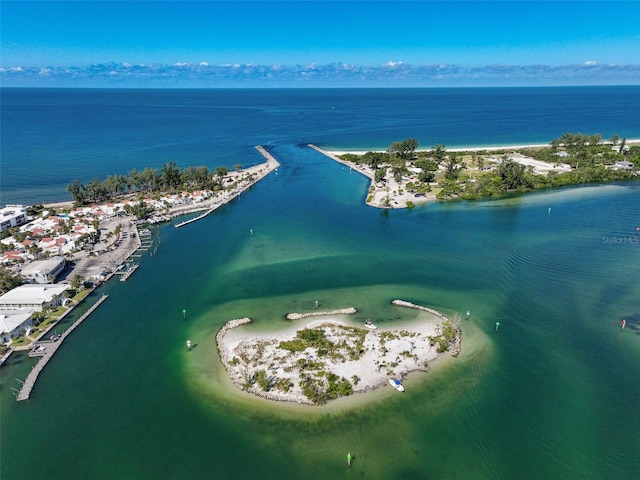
(13, 324)
(33, 297)
(12, 216)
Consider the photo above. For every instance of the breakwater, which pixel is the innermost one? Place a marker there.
(402, 303)
(456, 345)
(245, 179)
(51, 348)
(343, 311)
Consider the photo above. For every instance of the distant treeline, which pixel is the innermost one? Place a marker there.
(589, 157)
(168, 179)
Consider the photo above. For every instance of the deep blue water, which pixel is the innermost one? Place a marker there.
(53, 136)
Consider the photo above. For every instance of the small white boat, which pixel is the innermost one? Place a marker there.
(369, 324)
(395, 383)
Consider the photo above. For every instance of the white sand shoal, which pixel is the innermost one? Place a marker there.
(386, 353)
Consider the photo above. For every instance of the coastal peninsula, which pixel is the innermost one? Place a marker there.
(323, 357)
(92, 243)
(403, 176)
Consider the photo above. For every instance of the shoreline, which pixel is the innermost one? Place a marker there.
(271, 164)
(127, 245)
(330, 152)
(394, 191)
(473, 148)
(123, 249)
(264, 365)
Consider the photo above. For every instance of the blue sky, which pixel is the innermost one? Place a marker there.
(309, 43)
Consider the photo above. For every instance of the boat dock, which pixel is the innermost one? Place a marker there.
(128, 272)
(49, 349)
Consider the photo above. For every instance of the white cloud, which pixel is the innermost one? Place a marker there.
(333, 74)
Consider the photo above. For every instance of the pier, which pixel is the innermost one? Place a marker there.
(194, 219)
(251, 176)
(49, 350)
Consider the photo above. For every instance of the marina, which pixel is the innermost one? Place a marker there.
(129, 271)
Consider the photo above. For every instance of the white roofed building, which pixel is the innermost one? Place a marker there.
(33, 297)
(624, 165)
(43, 271)
(13, 324)
(12, 216)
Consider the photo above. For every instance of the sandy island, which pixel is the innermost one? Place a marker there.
(323, 358)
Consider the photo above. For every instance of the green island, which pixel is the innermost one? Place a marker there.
(403, 176)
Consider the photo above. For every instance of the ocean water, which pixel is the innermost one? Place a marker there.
(553, 394)
(67, 134)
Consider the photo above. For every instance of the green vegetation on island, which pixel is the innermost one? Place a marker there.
(568, 160)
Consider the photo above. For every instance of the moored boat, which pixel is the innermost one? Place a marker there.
(395, 383)
(369, 324)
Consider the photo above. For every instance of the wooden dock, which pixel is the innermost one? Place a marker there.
(51, 348)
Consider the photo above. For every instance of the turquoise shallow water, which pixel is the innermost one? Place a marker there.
(554, 394)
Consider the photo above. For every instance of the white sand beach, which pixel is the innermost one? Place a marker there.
(366, 358)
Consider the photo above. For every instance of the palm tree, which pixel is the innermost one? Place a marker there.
(77, 281)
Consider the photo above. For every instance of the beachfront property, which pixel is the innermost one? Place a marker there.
(14, 324)
(12, 216)
(33, 297)
(43, 271)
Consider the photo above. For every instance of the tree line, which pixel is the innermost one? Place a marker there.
(168, 179)
(588, 155)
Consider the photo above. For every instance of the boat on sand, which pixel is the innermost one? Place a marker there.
(395, 383)
(369, 324)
